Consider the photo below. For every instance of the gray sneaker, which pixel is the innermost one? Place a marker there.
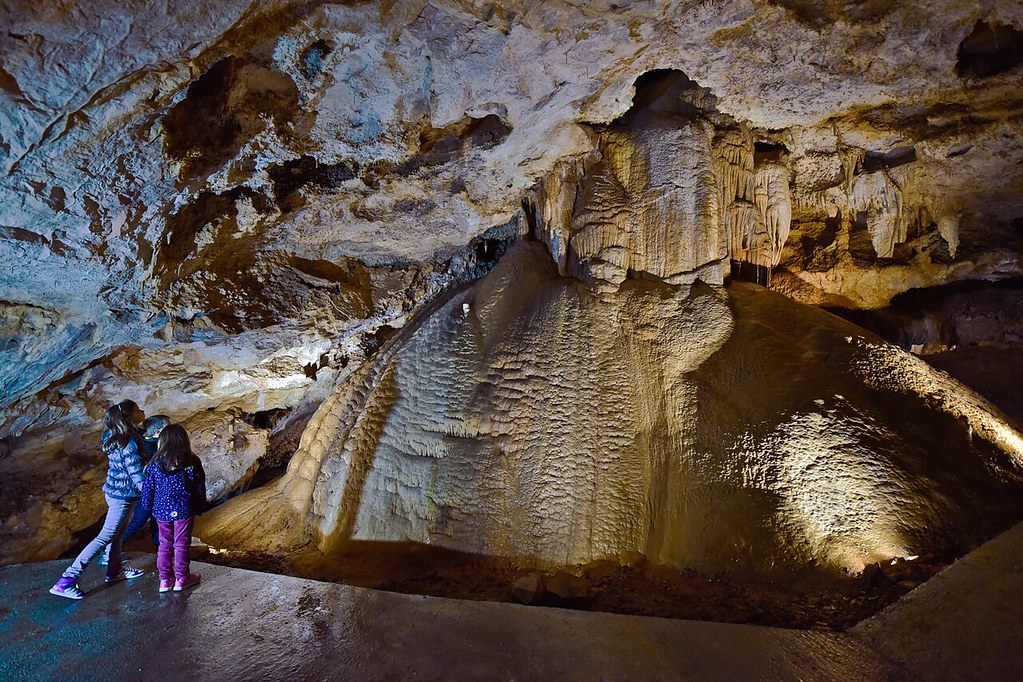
(127, 573)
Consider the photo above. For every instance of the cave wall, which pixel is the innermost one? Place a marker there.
(231, 205)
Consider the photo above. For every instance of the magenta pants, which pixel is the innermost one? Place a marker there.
(175, 540)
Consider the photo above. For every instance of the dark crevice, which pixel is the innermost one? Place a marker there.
(222, 110)
(664, 93)
(765, 150)
(990, 49)
(485, 251)
(264, 419)
(819, 14)
(744, 271)
(282, 424)
(20, 234)
(959, 151)
(313, 56)
(291, 176)
(200, 125)
(968, 313)
(438, 146)
(178, 244)
(873, 162)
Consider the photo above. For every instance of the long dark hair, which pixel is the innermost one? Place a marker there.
(173, 451)
(118, 426)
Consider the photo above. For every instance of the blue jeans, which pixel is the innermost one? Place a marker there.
(138, 522)
(114, 524)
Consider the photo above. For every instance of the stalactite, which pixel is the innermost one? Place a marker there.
(734, 152)
(643, 201)
(945, 215)
(756, 198)
(743, 218)
(774, 206)
(881, 199)
(948, 228)
(553, 202)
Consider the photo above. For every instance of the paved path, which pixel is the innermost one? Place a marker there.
(242, 625)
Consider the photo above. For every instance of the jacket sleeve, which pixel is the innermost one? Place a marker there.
(148, 491)
(133, 463)
(199, 503)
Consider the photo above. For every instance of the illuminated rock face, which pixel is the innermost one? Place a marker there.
(709, 428)
(190, 188)
(673, 190)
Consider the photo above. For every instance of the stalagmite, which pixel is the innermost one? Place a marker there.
(229, 212)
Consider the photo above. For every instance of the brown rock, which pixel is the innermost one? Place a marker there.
(528, 589)
(567, 586)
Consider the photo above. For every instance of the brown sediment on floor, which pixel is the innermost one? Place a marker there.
(637, 588)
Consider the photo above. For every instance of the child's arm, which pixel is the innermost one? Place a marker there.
(133, 463)
(200, 488)
(148, 490)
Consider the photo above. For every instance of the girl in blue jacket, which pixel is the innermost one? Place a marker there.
(124, 480)
(174, 490)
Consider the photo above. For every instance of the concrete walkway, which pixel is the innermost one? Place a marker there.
(241, 625)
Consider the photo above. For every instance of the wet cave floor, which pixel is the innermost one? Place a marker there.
(637, 588)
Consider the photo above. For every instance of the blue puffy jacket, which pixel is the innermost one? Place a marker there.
(124, 469)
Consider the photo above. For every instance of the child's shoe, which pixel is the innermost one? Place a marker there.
(126, 573)
(66, 587)
(191, 580)
(166, 585)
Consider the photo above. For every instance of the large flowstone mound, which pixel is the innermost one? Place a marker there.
(717, 429)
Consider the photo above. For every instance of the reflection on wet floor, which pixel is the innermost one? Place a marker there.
(636, 587)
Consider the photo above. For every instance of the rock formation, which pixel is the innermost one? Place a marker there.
(718, 430)
(232, 206)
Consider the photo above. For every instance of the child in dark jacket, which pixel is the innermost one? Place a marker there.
(174, 491)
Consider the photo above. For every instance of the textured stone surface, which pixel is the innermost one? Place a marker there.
(183, 183)
(320, 132)
(720, 430)
(231, 450)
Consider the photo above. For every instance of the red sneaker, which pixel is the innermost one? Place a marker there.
(191, 580)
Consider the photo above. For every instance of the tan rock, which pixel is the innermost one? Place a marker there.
(229, 448)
